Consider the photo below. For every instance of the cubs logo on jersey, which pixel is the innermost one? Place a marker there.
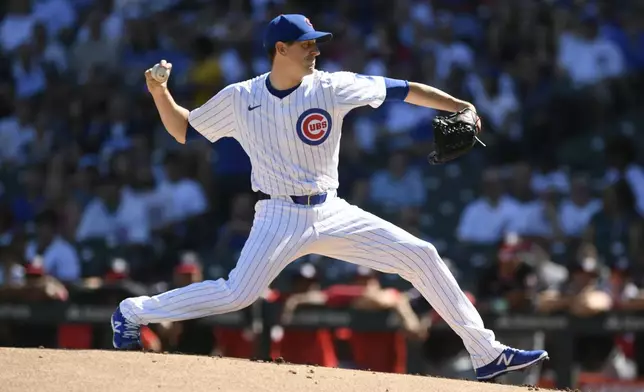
(314, 126)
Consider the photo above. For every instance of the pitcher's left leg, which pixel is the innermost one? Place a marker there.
(351, 234)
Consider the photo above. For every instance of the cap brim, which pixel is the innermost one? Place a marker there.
(318, 36)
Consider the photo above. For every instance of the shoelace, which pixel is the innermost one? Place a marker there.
(131, 330)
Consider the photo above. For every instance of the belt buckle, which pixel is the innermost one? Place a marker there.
(308, 200)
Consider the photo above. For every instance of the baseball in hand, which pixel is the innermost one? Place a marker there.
(159, 73)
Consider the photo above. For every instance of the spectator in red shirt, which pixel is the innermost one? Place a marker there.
(298, 345)
(378, 351)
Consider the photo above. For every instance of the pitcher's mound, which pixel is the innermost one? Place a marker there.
(96, 371)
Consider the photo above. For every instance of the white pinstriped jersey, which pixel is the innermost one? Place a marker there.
(293, 143)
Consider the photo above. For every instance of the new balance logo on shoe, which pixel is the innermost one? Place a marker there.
(507, 360)
(117, 324)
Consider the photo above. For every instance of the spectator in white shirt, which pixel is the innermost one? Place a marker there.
(540, 218)
(95, 49)
(112, 24)
(59, 258)
(185, 197)
(549, 175)
(490, 217)
(450, 53)
(144, 188)
(576, 211)
(496, 101)
(115, 216)
(398, 186)
(587, 57)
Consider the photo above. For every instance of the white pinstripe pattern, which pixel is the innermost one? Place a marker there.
(283, 232)
(348, 233)
(283, 164)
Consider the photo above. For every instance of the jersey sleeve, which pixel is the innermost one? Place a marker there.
(354, 90)
(216, 118)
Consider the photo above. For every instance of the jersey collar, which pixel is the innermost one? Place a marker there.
(281, 94)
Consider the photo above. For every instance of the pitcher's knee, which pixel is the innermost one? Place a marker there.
(238, 299)
(422, 257)
(431, 251)
(428, 254)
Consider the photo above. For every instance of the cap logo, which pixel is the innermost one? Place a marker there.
(308, 22)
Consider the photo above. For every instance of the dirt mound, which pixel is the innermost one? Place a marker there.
(95, 371)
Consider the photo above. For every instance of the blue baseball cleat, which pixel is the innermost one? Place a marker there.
(126, 335)
(510, 360)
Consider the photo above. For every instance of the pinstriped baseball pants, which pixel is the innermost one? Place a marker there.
(283, 232)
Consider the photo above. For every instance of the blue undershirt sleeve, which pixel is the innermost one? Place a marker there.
(397, 89)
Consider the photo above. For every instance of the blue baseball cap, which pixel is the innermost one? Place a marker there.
(292, 27)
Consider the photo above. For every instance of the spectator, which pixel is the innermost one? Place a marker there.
(114, 216)
(185, 197)
(59, 258)
(497, 103)
(29, 73)
(521, 189)
(205, 75)
(549, 174)
(576, 211)
(17, 25)
(584, 294)
(143, 187)
(540, 219)
(510, 284)
(398, 186)
(616, 230)
(26, 204)
(93, 50)
(56, 15)
(189, 336)
(449, 52)
(487, 219)
(587, 57)
(378, 351)
(17, 132)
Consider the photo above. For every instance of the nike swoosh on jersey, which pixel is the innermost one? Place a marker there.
(253, 108)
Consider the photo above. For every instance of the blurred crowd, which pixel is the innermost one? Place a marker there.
(547, 217)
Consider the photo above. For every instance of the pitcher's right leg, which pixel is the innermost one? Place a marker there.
(281, 233)
(354, 235)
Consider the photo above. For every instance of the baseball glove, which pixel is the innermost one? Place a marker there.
(454, 135)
